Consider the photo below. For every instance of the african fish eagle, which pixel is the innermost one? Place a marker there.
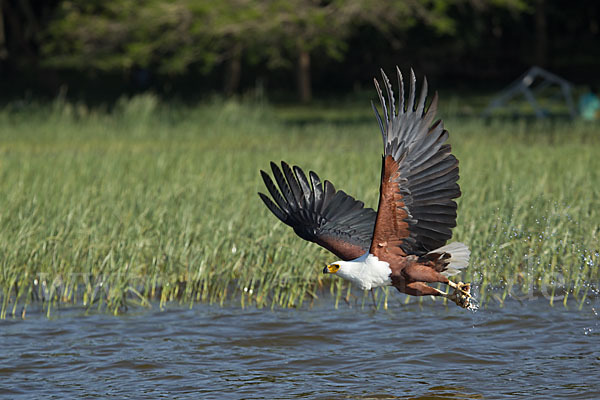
(403, 244)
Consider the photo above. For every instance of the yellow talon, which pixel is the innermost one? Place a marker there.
(462, 295)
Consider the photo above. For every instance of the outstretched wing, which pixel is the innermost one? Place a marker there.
(318, 213)
(419, 175)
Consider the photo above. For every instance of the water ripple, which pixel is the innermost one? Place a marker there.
(522, 350)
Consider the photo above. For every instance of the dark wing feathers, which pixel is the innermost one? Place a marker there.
(271, 206)
(308, 198)
(423, 174)
(317, 212)
(274, 193)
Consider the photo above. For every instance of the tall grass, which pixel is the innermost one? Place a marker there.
(153, 203)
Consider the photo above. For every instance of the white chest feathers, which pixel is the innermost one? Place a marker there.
(367, 271)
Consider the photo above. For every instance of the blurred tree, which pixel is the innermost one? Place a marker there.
(20, 23)
(298, 28)
(169, 37)
(172, 36)
(330, 41)
(120, 34)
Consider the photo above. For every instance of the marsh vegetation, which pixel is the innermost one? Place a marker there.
(149, 203)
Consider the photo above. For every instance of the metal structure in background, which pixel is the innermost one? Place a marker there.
(525, 86)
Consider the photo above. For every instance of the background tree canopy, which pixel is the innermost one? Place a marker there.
(284, 45)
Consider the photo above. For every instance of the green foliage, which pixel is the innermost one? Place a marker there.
(156, 203)
(120, 35)
(172, 36)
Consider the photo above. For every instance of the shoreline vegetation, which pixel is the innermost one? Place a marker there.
(152, 202)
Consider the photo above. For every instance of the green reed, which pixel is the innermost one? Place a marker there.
(152, 203)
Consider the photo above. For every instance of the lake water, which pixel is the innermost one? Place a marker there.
(522, 350)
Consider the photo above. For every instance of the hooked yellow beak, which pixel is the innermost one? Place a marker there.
(331, 269)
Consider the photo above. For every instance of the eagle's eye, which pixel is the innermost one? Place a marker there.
(333, 268)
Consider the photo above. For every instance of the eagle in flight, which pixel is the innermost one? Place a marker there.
(403, 244)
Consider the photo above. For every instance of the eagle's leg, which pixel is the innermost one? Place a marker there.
(421, 289)
(423, 273)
